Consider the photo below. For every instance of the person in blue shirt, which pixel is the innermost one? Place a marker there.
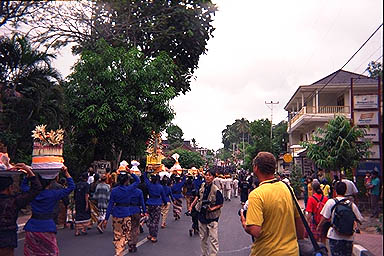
(126, 204)
(176, 191)
(154, 202)
(82, 208)
(40, 230)
(166, 182)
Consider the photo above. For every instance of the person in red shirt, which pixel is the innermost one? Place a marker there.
(314, 206)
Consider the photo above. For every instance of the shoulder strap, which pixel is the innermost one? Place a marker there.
(317, 200)
(310, 234)
(322, 197)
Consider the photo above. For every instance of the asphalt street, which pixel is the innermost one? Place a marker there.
(172, 241)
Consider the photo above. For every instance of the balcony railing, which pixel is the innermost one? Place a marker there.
(321, 110)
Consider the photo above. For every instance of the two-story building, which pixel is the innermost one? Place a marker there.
(312, 106)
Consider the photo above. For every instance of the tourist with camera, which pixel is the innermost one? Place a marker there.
(208, 204)
(271, 218)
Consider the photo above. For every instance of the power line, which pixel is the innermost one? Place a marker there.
(335, 74)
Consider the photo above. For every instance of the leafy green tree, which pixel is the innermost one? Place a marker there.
(115, 98)
(280, 138)
(30, 94)
(174, 136)
(260, 134)
(295, 179)
(180, 28)
(337, 147)
(187, 160)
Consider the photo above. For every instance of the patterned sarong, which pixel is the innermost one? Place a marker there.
(177, 207)
(164, 213)
(121, 227)
(133, 233)
(40, 244)
(94, 212)
(153, 219)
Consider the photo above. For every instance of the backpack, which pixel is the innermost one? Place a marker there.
(343, 218)
(319, 206)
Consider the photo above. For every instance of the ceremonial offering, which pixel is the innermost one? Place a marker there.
(135, 170)
(122, 167)
(6, 168)
(176, 168)
(47, 154)
(155, 154)
(193, 171)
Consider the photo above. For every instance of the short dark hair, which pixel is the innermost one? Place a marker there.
(266, 162)
(341, 188)
(211, 172)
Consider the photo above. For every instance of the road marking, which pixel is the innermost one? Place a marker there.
(233, 251)
(137, 245)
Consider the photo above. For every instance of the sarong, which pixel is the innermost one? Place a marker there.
(153, 220)
(40, 244)
(189, 200)
(121, 227)
(94, 212)
(133, 232)
(177, 207)
(164, 213)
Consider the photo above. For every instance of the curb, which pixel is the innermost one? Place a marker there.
(359, 250)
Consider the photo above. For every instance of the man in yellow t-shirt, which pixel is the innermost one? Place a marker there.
(272, 218)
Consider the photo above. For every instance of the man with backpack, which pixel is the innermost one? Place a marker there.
(314, 206)
(342, 213)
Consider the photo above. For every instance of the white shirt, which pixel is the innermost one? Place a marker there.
(327, 213)
(351, 188)
(235, 183)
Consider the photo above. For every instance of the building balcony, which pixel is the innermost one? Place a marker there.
(317, 114)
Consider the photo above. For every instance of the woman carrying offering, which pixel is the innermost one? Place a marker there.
(154, 202)
(125, 204)
(176, 192)
(165, 182)
(40, 230)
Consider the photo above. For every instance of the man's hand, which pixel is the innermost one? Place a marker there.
(242, 219)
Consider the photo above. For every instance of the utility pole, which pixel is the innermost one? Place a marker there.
(271, 108)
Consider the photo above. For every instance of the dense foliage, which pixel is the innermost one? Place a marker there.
(30, 94)
(187, 160)
(174, 136)
(180, 28)
(338, 146)
(115, 98)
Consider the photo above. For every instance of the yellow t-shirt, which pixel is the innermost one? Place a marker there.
(271, 207)
(325, 189)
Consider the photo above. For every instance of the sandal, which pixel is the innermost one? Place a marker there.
(149, 237)
(163, 226)
(153, 239)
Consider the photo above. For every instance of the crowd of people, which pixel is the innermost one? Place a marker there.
(132, 201)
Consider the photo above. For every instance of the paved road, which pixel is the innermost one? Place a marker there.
(172, 241)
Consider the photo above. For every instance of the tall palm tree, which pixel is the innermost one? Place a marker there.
(242, 126)
(29, 92)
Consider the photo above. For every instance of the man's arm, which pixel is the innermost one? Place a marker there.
(253, 230)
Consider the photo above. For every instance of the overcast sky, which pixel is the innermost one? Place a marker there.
(262, 51)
